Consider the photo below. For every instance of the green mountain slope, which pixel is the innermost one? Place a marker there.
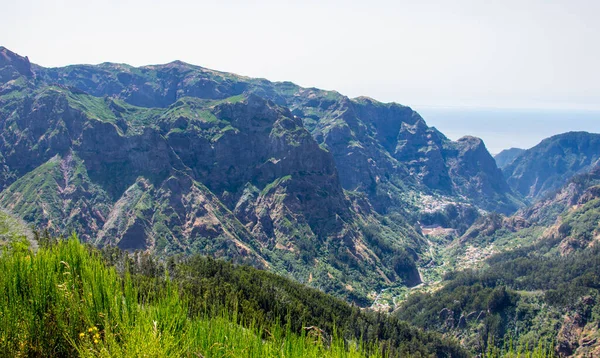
(550, 164)
(354, 197)
(540, 285)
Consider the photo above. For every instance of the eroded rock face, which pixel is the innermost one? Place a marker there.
(264, 146)
(483, 227)
(420, 147)
(58, 194)
(568, 336)
(570, 213)
(387, 149)
(254, 142)
(474, 168)
(379, 149)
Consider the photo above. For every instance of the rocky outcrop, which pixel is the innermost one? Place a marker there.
(421, 147)
(484, 227)
(59, 194)
(570, 214)
(13, 66)
(578, 338)
(568, 334)
(567, 217)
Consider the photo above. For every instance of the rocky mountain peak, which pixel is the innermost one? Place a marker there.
(13, 65)
(472, 141)
(469, 145)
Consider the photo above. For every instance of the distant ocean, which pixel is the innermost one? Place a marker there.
(505, 128)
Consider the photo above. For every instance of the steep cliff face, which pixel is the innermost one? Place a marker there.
(387, 150)
(550, 164)
(474, 174)
(383, 150)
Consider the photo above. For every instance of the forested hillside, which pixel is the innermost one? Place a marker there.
(543, 287)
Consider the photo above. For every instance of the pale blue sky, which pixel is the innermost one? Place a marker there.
(525, 53)
(461, 53)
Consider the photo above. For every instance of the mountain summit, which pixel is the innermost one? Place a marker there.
(12, 65)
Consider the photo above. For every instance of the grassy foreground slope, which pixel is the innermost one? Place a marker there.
(64, 301)
(68, 299)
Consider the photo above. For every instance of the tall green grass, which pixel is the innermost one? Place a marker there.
(64, 301)
(543, 349)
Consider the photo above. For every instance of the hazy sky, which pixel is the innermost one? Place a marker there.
(460, 53)
(524, 53)
(505, 128)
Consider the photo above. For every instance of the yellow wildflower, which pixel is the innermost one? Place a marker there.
(81, 335)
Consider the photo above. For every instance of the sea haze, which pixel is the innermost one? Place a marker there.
(506, 128)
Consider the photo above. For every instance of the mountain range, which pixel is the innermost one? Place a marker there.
(358, 198)
(177, 158)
